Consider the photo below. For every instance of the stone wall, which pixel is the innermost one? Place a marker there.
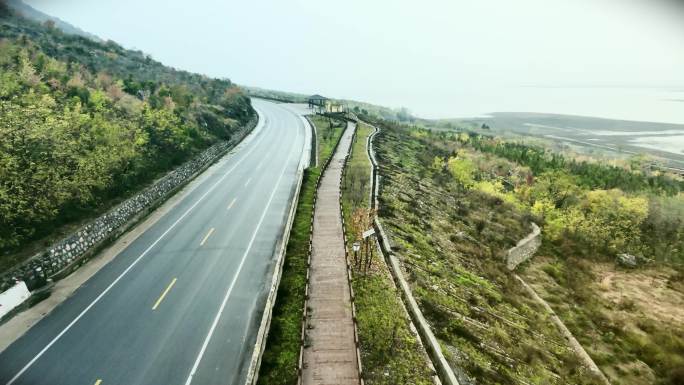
(525, 248)
(64, 256)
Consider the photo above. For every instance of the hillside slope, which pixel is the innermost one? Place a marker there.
(454, 202)
(31, 13)
(84, 124)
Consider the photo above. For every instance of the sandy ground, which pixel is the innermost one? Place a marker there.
(647, 288)
(63, 289)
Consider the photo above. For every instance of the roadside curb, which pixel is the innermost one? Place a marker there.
(313, 160)
(264, 327)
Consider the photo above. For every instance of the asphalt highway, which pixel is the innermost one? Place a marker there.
(182, 303)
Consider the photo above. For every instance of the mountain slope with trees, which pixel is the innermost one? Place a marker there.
(611, 263)
(31, 13)
(84, 124)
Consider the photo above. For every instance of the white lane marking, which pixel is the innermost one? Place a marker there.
(248, 180)
(105, 291)
(239, 269)
(230, 205)
(259, 165)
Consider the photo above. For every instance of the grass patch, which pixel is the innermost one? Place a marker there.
(390, 352)
(451, 239)
(279, 361)
(328, 132)
(629, 321)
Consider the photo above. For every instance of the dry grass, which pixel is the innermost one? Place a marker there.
(630, 321)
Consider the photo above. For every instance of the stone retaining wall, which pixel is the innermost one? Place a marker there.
(525, 248)
(66, 255)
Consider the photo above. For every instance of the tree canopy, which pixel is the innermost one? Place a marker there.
(83, 123)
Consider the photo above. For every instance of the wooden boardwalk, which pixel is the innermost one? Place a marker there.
(331, 357)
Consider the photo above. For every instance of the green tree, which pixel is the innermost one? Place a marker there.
(463, 170)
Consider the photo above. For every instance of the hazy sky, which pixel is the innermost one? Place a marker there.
(436, 57)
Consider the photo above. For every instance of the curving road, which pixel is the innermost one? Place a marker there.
(182, 303)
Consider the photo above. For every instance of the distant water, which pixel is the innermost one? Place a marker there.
(648, 104)
(673, 144)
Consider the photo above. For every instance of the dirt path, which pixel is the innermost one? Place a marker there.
(331, 355)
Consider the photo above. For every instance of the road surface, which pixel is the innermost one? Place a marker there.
(182, 303)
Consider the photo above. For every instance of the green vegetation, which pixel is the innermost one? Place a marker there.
(367, 109)
(279, 362)
(390, 352)
(629, 321)
(592, 212)
(356, 183)
(85, 124)
(450, 233)
(328, 133)
(602, 209)
(278, 96)
(589, 175)
(454, 202)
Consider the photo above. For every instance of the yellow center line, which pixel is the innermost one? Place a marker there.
(231, 203)
(156, 304)
(207, 236)
(248, 180)
(98, 382)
